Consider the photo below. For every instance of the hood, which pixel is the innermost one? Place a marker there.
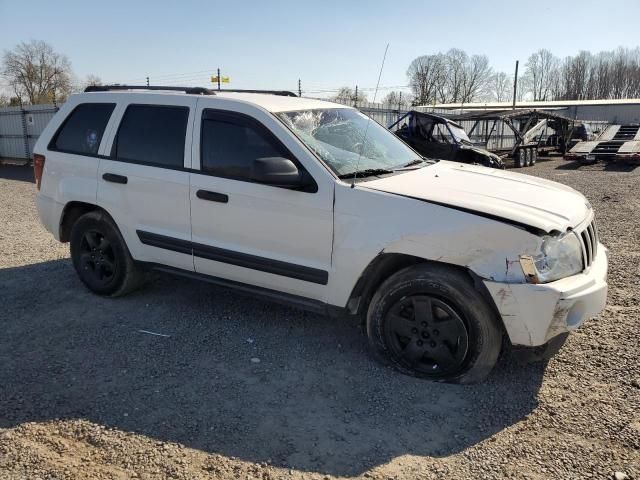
(522, 199)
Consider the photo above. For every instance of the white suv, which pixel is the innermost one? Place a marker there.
(312, 203)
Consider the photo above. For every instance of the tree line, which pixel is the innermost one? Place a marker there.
(35, 73)
(457, 77)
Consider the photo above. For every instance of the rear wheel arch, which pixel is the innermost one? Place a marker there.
(72, 212)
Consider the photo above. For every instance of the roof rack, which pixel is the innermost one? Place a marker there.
(282, 93)
(108, 88)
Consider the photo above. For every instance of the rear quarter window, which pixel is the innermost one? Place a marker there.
(82, 131)
(153, 135)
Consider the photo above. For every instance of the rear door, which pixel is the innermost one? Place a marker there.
(144, 184)
(263, 235)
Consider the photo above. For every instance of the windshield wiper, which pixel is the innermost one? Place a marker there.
(419, 162)
(412, 163)
(367, 172)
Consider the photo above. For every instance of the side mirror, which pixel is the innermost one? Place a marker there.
(276, 171)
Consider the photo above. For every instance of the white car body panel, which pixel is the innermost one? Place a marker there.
(421, 229)
(155, 199)
(473, 217)
(528, 200)
(263, 221)
(66, 177)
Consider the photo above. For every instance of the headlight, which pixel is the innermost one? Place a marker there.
(560, 257)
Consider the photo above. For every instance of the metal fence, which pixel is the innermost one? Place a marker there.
(382, 114)
(20, 127)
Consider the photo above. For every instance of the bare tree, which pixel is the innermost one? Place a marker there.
(92, 80)
(523, 88)
(397, 100)
(426, 74)
(450, 77)
(540, 71)
(347, 96)
(500, 87)
(455, 77)
(36, 73)
(456, 65)
(89, 81)
(476, 77)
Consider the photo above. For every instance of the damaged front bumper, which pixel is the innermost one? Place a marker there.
(535, 313)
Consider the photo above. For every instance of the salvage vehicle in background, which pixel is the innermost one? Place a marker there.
(518, 134)
(582, 132)
(435, 136)
(314, 204)
(615, 143)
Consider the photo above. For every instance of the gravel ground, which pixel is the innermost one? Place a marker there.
(240, 388)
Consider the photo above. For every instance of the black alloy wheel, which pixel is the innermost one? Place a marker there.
(427, 335)
(97, 258)
(101, 257)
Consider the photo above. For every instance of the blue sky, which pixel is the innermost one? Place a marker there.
(327, 44)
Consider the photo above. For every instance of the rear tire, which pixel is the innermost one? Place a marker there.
(520, 159)
(101, 257)
(429, 321)
(534, 156)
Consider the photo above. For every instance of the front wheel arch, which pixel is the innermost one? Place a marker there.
(384, 265)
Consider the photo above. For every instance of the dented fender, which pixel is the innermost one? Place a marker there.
(488, 247)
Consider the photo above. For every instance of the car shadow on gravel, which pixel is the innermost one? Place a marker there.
(233, 376)
(598, 166)
(20, 173)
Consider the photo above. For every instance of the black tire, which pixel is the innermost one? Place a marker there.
(520, 158)
(457, 311)
(534, 157)
(101, 257)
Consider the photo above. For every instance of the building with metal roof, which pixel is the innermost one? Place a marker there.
(620, 111)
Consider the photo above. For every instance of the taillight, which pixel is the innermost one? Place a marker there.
(38, 168)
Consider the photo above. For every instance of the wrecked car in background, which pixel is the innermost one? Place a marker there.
(434, 136)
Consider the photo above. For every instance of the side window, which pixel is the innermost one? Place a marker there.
(230, 143)
(152, 134)
(82, 130)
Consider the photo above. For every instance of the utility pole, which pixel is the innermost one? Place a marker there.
(355, 100)
(400, 102)
(515, 86)
(299, 88)
(147, 81)
(219, 79)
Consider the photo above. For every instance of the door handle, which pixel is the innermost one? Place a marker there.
(212, 196)
(112, 177)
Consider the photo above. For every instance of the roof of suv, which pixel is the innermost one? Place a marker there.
(272, 103)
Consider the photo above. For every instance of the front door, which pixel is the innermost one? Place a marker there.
(263, 235)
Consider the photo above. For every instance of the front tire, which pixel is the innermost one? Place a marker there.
(101, 257)
(429, 321)
(520, 159)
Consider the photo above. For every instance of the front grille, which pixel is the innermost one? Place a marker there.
(589, 241)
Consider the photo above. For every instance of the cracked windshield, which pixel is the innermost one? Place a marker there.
(347, 140)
